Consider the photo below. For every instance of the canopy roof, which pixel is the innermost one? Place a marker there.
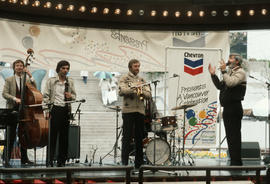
(143, 14)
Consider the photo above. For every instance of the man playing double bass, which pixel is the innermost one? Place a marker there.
(12, 93)
(58, 90)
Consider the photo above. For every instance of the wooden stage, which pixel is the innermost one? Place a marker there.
(203, 171)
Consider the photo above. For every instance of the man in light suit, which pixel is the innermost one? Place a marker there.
(12, 93)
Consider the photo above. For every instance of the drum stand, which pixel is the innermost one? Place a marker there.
(183, 138)
(179, 154)
(115, 146)
(172, 138)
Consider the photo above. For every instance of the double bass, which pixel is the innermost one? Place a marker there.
(33, 126)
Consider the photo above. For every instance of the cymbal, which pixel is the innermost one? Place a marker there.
(116, 108)
(183, 107)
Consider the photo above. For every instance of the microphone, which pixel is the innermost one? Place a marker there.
(175, 75)
(227, 64)
(30, 51)
(82, 100)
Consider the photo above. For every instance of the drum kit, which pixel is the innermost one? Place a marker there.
(156, 149)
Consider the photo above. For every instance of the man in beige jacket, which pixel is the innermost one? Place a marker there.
(232, 91)
(11, 93)
(133, 111)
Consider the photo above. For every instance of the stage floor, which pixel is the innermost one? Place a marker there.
(149, 176)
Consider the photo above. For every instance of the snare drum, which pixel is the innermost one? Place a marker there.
(169, 123)
(162, 151)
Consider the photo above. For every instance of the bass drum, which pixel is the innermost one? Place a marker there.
(162, 151)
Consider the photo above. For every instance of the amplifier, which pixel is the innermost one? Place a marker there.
(74, 139)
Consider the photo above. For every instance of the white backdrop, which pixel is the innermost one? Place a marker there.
(194, 87)
(98, 49)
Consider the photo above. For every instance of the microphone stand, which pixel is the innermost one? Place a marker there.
(49, 160)
(78, 111)
(266, 159)
(152, 82)
(117, 136)
(155, 96)
(79, 114)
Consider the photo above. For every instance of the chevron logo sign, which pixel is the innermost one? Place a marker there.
(193, 67)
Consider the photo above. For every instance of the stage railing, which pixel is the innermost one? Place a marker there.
(69, 171)
(208, 170)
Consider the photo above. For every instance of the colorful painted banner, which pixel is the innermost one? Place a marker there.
(193, 92)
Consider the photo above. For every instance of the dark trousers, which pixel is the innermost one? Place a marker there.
(12, 136)
(133, 123)
(232, 116)
(59, 126)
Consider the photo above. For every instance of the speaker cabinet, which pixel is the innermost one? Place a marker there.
(251, 151)
(74, 140)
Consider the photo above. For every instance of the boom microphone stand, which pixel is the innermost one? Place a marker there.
(73, 116)
(117, 135)
(267, 157)
(78, 111)
(154, 154)
(155, 97)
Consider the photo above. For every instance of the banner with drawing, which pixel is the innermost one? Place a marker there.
(98, 49)
(195, 93)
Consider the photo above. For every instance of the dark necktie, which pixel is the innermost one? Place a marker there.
(20, 85)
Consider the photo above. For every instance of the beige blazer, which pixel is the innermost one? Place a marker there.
(131, 101)
(9, 91)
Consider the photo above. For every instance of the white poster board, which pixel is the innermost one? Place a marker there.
(194, 87)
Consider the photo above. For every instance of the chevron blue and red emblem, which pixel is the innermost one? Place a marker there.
(193, 67)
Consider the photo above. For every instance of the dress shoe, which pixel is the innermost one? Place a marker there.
(60, 164)
(237, 163)
(27, 162)
(6, 164)
(50, 164)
